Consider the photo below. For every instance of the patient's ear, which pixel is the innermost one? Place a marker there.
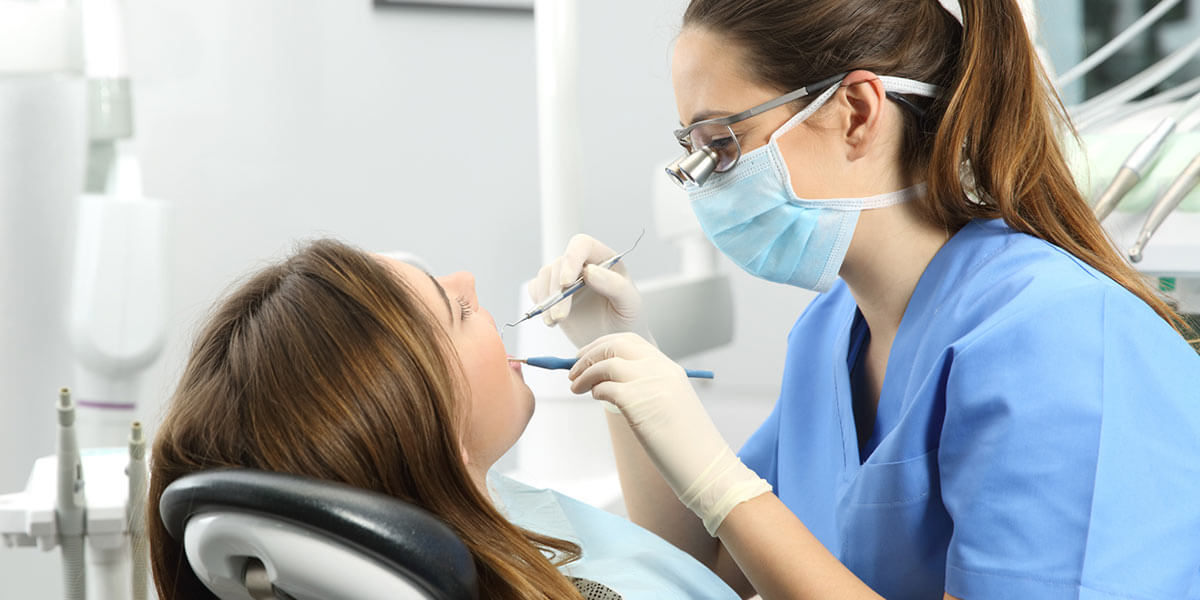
(466, 456)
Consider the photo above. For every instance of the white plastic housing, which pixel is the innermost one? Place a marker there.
(104, 38)
(27, 517)
(39, 37)
(118, 308)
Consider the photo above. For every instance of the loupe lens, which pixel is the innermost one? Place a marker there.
(693, 169)
(676, 175)
(719, 139)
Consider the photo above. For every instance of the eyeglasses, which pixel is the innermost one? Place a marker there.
(712, 146)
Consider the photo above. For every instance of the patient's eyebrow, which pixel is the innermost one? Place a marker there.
(445, 298)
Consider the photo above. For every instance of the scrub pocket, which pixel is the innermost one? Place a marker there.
(894, 529)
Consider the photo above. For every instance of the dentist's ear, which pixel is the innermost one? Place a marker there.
(466, 456)
(861, 124)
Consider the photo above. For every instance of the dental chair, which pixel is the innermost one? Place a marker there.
(257, 535)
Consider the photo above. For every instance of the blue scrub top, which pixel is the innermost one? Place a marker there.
(1037, 436)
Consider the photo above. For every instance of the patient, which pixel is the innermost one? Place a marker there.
(362, 369)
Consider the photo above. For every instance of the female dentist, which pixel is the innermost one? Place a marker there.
(989, 403)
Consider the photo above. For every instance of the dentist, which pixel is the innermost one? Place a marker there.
(985, 401)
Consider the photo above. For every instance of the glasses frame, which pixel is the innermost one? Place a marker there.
(682, 135)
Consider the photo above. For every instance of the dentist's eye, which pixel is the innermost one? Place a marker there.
(465, 309)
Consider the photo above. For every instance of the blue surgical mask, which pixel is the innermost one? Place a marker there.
(752, 215)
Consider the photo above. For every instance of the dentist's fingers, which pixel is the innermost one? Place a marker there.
(582, 249)
(539, 289)
(596, 351)
(537, 285)
(561, 310)
(625, 344)
(617, 370)
(616, 287)
(568, 268)
(608, 392)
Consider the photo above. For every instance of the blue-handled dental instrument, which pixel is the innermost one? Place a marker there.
(554, 362)
(549, 303)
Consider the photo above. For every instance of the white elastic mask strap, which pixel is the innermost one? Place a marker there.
(883, 200)
(900, 85)
(893, 198)
(808, 111)
(954, 8)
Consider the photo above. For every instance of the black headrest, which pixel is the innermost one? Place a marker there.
(403, 537)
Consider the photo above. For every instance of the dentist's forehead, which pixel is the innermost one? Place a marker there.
(710, 77)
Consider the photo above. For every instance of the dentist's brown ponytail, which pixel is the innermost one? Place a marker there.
(1004, 118)
(996, 126)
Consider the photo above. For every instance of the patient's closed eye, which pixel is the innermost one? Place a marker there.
(465, 308)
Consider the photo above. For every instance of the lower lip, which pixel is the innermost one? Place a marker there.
(514, 365)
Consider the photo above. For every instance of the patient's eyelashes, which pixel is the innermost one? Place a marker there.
(465, 306)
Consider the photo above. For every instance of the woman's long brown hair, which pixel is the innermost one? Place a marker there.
(996, 126)
(329, 366)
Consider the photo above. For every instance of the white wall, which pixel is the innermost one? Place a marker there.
(414, 128)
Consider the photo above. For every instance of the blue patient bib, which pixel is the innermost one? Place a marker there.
(617, 553)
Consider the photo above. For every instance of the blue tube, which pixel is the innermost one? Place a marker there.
(554, 362)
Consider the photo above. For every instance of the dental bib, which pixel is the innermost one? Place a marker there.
(752, 215)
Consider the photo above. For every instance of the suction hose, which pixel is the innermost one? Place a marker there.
(70, 503)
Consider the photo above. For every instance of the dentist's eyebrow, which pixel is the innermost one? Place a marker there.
(445, 298)
(705, 115)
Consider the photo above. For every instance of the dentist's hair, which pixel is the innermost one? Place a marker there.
(327, 365)
(996, 125)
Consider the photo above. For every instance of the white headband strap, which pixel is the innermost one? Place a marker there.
(954, 8)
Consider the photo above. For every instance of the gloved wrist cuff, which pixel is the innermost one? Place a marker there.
(722, 486)
(737, 494)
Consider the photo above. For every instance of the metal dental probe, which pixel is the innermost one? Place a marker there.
(549, 303)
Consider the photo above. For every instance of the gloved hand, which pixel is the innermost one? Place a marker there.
(668, 419)
(609, 304)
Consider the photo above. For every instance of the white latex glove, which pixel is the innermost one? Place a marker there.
(608, 304)
(670, 422)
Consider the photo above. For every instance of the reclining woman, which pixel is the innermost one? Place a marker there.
(357, 368)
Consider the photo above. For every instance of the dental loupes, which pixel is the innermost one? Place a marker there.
(550, 302)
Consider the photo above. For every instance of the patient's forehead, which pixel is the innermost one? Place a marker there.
(420, 281)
